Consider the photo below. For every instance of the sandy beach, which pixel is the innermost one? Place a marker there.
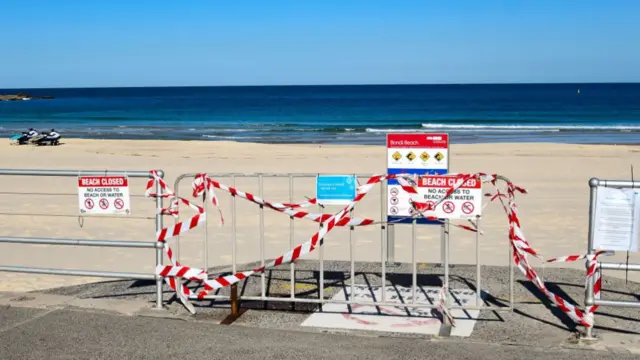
(554, 214)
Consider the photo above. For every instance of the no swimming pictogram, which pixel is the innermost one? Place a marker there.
(104, 204)
(118, 203)
(448, 207)
(103, 195)
(468, 208)
(88, 204)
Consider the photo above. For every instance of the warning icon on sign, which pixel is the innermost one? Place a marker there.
(411, 156)
(396, 156)
(424, 156)
(439, 156)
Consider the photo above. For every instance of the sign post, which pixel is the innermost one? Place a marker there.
(104, 195)
(419, 154)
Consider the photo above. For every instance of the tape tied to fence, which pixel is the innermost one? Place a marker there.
(592, 273)
(173, 273)
(521, 248)
(203, 184)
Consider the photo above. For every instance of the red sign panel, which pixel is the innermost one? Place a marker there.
(434, 141)
(92, 181)
(447, 182)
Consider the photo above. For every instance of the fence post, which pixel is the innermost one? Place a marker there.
(160, 247)
(588, 293)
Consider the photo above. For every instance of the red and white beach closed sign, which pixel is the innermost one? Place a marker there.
(464, 203)
(104, 195)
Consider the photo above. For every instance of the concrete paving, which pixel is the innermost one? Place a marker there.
(535, 328)
(80, 334)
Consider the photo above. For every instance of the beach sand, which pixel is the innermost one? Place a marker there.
(553, 215)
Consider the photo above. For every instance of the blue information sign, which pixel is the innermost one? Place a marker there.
(335, 189)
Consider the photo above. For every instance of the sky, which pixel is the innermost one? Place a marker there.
(96, 43)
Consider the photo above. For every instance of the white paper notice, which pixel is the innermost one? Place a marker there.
(616, 219)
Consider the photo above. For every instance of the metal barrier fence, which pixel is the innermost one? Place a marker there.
(385, 245)
(85, 242)
(590, 297)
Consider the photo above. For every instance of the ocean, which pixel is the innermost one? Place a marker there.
(363, 114)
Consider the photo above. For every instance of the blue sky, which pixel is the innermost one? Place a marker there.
(69, 43)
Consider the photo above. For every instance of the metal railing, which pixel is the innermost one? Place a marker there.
(87, 242)
(590, 298)
(384, 248)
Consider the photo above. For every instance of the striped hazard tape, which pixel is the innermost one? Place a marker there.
(203, 185)
(592, 272)
(174, 272)
(521, 248)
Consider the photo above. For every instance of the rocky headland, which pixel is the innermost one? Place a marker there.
(22, 96)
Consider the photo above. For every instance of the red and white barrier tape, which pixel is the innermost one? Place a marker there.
(592, 272)
(521, 248)
(174, 272)
(300, 250)
(202, 183)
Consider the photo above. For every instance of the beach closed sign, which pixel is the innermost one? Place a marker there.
(104, 195)
(464, 203)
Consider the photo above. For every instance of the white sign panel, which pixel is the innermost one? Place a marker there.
(100, 195)
(417, 154)
(394, 318)
(617, 217)
(464, 203)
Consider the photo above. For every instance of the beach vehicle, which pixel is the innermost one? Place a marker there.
(34, 138)
(52, 138)
(20, 139)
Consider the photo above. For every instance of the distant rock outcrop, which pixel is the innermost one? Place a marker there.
(22, 96)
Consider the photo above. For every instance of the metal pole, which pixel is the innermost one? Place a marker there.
(414, 264)
(79, 242)
(205, 245)
(446, 268)
(262, 275)
(391, 234)
(353, 260)
(321, 258)
(291, 240)
(618, 303)
(233, 227)
(69, 272)
(616, 266)
(511, 275)
(159, 249)
(442, 243)
(478, 273)
(235, 301)
(39, 172)
(176, 218)
(385, 233)
(588, 296)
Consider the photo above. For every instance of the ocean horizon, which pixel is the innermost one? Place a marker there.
(589, 113)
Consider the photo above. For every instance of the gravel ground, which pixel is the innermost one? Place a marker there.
(533, 322)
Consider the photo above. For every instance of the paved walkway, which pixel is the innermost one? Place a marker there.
(28, 333)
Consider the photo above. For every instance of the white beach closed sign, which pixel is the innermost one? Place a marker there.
(464, 203)
(104, 195)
